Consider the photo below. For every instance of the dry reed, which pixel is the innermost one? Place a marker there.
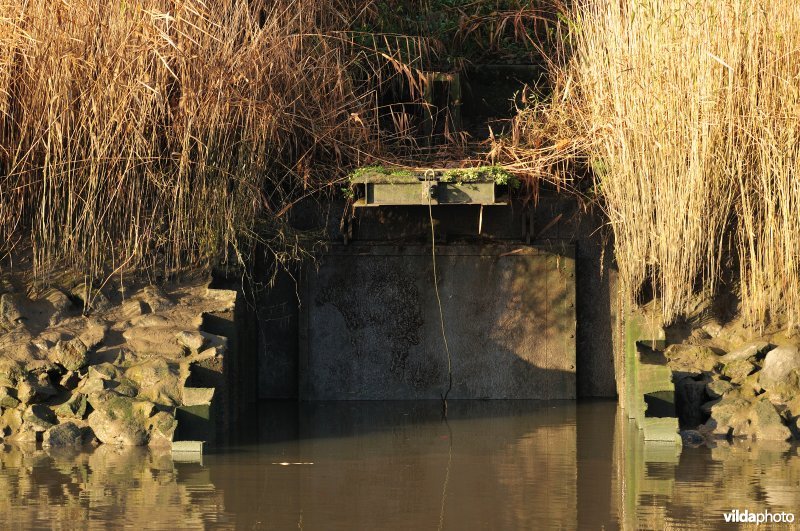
(688, 114)
(166, 134)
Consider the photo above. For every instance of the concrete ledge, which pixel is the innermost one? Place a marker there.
(660, 429)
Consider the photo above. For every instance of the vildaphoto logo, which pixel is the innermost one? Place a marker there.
(745, 517)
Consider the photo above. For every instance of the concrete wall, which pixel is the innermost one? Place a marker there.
(371, 329)
(555, 220)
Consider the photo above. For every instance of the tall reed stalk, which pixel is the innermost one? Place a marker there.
(688, 113)
(161, 134)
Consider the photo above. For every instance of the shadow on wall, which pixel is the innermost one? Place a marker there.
(489, 300)
(372, 330)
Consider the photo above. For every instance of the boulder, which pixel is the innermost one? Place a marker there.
(103, 371)
(765, 422)
(131, 309)
(11, 372)
(39, 417)
(718, 388)
(60, 305)
(780, 371)
(158, 381)
(120, 420)
(738, 370)
(726, 414)
(70, 380)
(10, 422)
(75, 407)
(33, 389)
(155, 298)
(71, 354)
(125, 387)
(67, 434)
(162, 429)
(94, 332)
(193, 341)
(751, 351)
(691, 358)
(7, 399)
(154, 341)
(93, 299)
(11, 308)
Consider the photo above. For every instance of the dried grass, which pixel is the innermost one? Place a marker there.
(172, 134)
(688, 114)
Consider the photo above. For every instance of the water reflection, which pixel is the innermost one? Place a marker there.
(493, 465)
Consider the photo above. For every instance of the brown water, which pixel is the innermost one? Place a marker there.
(493, 465)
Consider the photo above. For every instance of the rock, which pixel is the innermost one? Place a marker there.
(779, 373)
(91, 385)
(39, 417)
(162, 429)
(64, 435)
(750, 386)
(43, 344)
(103, 371)
(151, 321)
(125, 387)
(93, 299)
(7, 400)
(718, 388)
(25, 436)
(30, 390)
(11, 308)
(154, 342)
(61, 306)
(10, 373)
(192, 340)
(691, 358)
(131, 309)
(155, 298)
(738, 370)
(98, 378)
(712, 328)
(71, 354)
(94, 332)
(70, 380)
(751, 351)
(10, 422)
(120, 420)
(158, 381)
(75, 407)
(765, 423)
(19, 348)
(692, 438)
(724, 414)
(197, 396)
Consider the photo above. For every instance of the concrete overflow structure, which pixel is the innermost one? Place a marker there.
(529, 307)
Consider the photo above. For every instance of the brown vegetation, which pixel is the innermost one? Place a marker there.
(161, 134)
(687, 113)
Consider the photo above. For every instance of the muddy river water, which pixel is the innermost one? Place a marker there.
(398, 465)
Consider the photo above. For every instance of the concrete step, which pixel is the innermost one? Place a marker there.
(660, 429)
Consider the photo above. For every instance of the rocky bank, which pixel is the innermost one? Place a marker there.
(81, 366)
(730, 387)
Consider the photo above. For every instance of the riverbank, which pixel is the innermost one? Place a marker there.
(734, 381)
(81, 366)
